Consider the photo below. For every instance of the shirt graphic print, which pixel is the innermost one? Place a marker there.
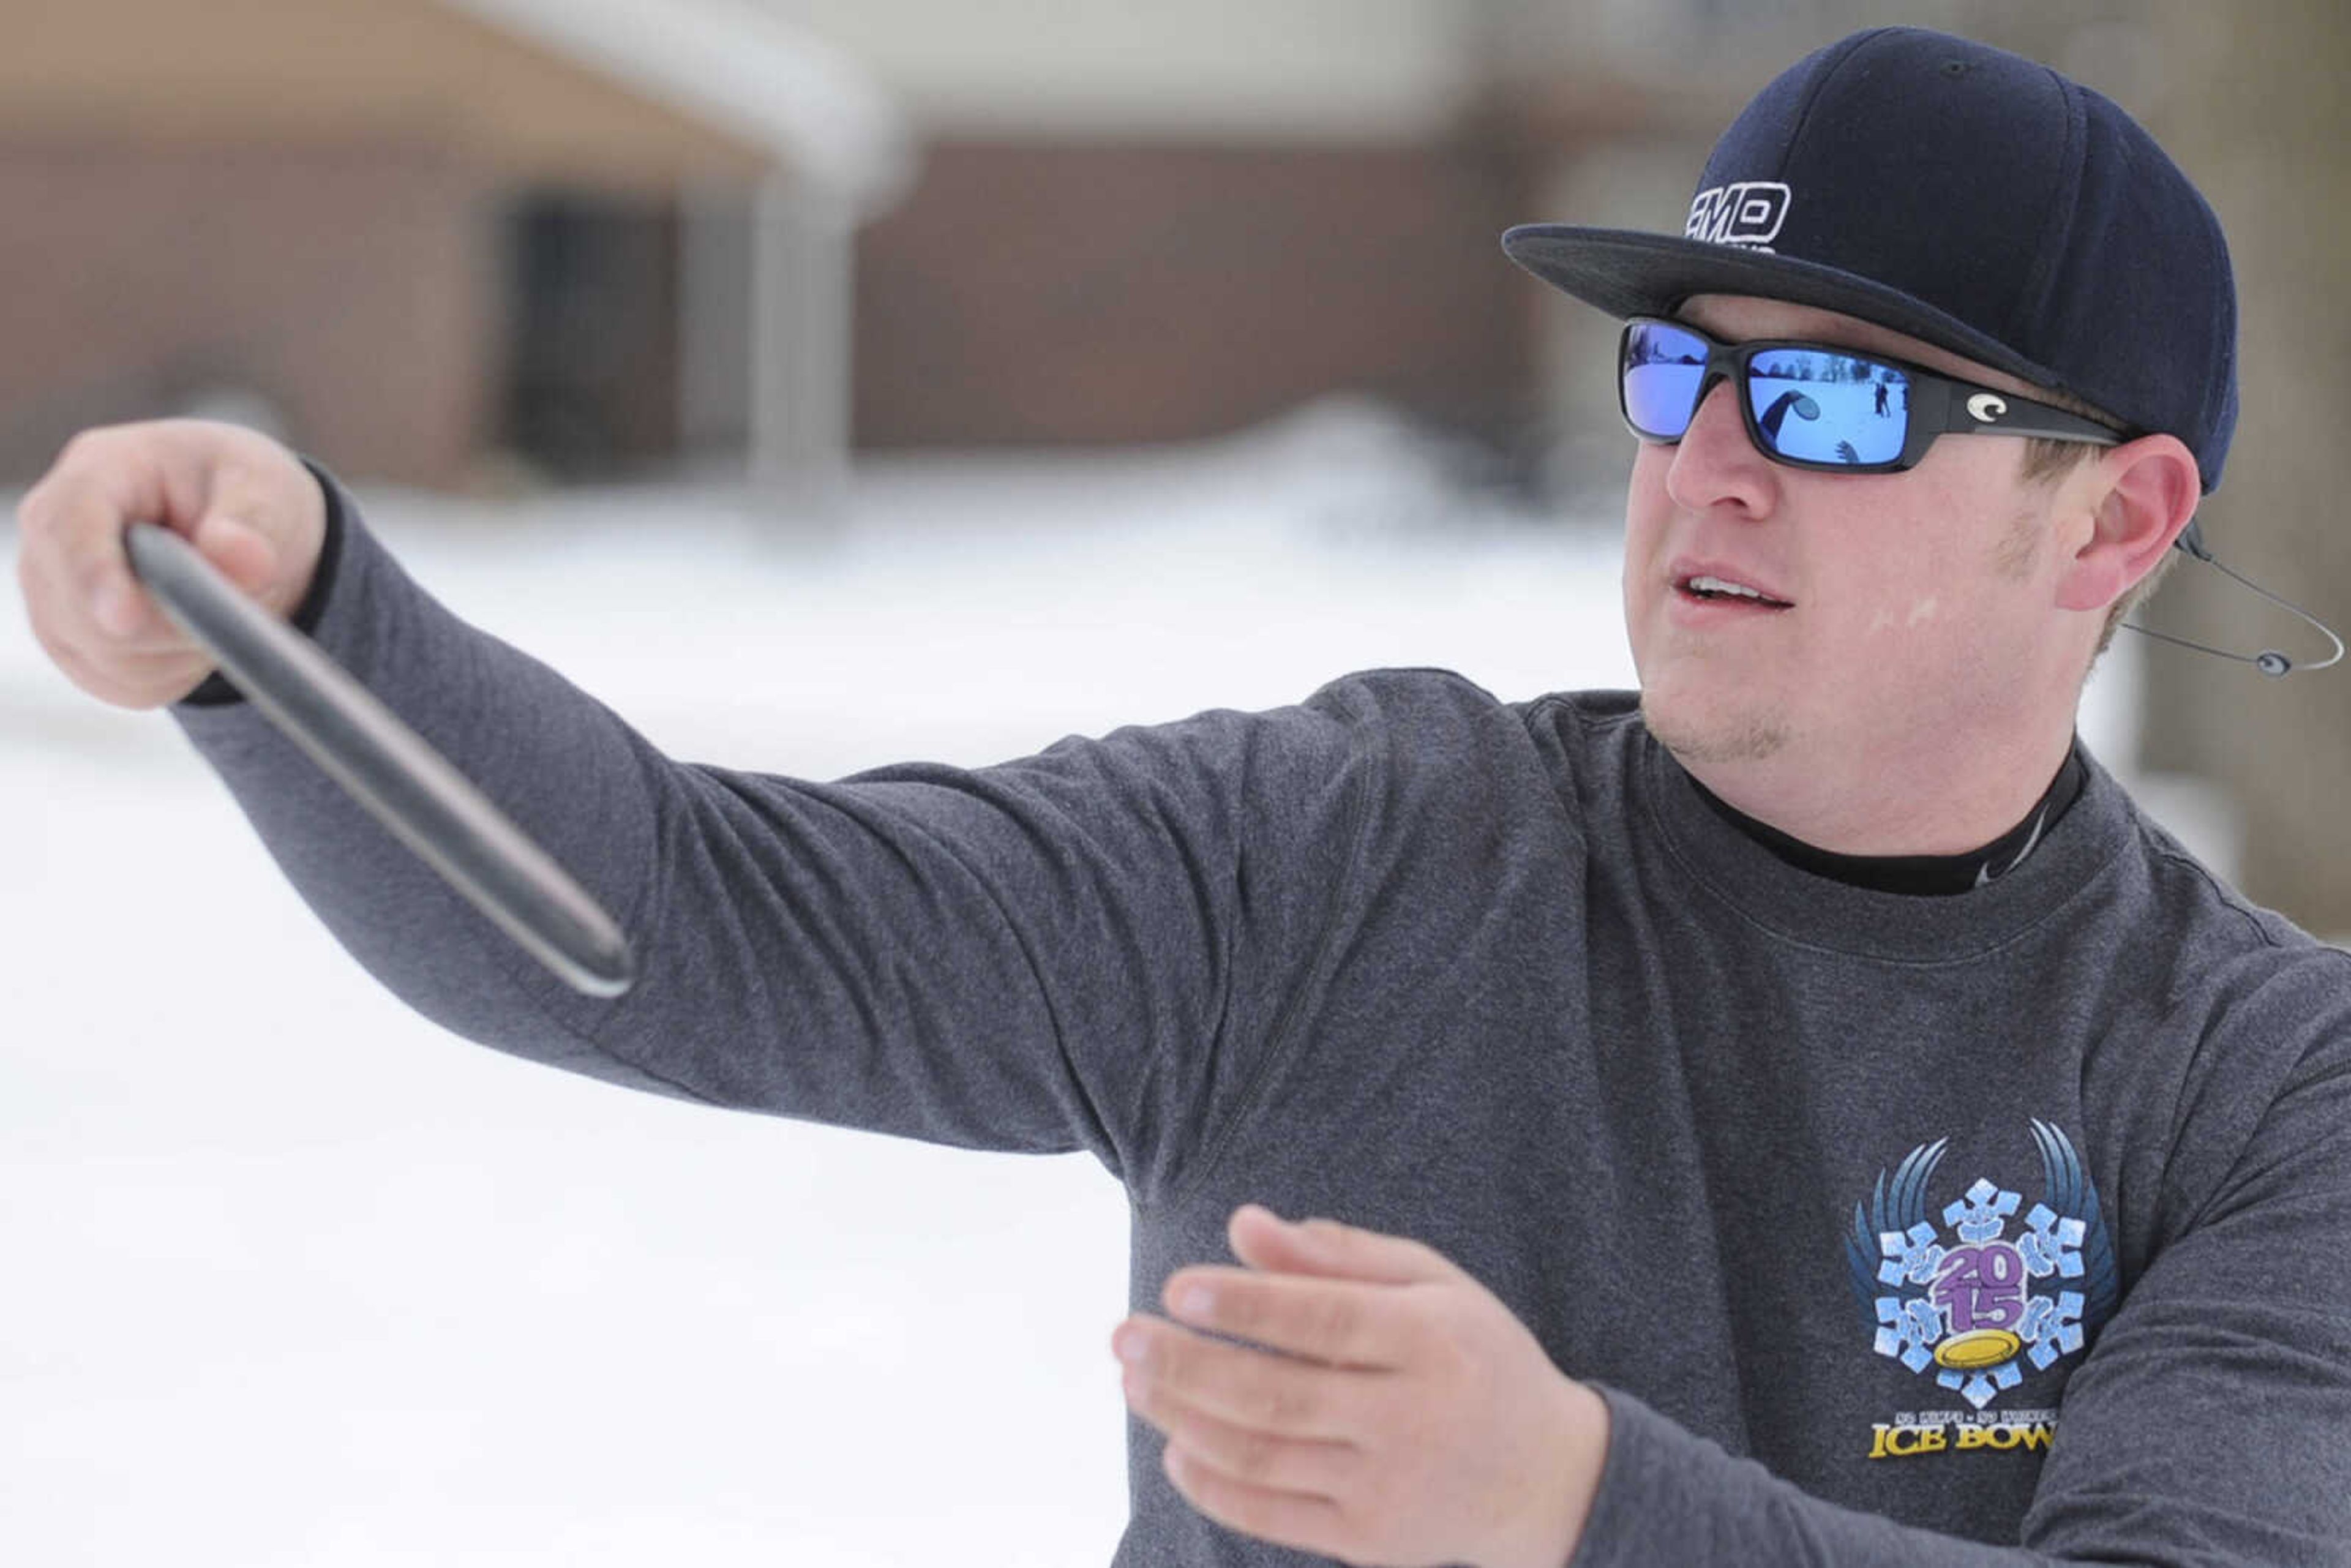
(1973, 1302)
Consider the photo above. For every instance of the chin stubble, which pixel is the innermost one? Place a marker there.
(1743, 738)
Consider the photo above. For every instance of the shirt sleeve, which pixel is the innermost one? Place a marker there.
(2210, 1424)
(1087, 948)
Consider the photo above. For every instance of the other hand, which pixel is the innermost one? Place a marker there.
(1413, 1420)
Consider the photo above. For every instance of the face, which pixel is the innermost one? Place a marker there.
(1916, 610)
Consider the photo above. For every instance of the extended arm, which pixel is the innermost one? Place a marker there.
(1051, 953)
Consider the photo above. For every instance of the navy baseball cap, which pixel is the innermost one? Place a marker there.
(1967, 196)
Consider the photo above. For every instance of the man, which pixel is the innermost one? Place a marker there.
(1758, 1107)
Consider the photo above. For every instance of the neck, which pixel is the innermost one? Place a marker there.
(1888, 803)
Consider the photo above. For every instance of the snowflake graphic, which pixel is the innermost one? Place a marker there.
(1912, 1255)
(1983, 1213)
(2052, 1328)
(2054, 1245)
(1957, 1302)
(1911, 1329)
(1975, 1387)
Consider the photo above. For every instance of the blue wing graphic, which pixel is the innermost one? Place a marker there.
(1897, 1208)
(2070, 1192)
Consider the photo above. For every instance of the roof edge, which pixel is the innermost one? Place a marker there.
(739, 68)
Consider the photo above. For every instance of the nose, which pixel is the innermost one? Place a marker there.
(1715, 463)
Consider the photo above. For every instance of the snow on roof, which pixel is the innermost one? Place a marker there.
(736, 65)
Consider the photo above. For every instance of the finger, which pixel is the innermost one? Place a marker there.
(123, 628)
(1342, 1322)
(67, 525)
(1263, 1240)
(1285, 1519)
(105, 479)
(244, 554)
(1313, 1466)
(61, 621)
(155, 662)
(100, 484)
(132, 619)
(1253, 1388)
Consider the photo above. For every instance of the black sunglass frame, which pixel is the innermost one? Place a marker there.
(1938, 405)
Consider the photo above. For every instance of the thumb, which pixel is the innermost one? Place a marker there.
(1262, 1240)
(242, 553)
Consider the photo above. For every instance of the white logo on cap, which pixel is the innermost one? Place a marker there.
(1986, 407)
(1749, 213)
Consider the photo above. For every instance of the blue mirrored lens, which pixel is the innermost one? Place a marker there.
(1821, 407)
(1662, 369)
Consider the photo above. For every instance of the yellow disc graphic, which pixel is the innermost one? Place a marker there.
(1978, 1348)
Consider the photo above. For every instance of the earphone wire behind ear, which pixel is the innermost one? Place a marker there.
(2268, 660)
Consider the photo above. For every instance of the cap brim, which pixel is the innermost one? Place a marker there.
(1629, 272)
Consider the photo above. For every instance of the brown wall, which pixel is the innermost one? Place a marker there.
(1039, 293)
(301, 197)
(346, 284)
(343, 70)
(295, 198)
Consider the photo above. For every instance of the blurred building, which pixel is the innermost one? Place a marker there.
(1149, 223)
(415, 232)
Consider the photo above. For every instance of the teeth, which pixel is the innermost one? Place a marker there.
(1717, 585)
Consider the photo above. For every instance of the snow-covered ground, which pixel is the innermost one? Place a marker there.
(287, 1276)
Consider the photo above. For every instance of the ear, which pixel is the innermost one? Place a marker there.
(2139, 496)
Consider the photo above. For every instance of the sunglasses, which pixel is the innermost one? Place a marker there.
(1815, 405)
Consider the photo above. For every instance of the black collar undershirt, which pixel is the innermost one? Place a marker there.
(1933, 875)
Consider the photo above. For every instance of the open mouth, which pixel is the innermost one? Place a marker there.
(1722, 590)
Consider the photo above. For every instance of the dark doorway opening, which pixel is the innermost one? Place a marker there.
(592, 292)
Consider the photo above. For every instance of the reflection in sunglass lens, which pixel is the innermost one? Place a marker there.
(1662, 369)
(1821, 407)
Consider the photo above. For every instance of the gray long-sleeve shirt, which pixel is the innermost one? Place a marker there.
(2005, 1226)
